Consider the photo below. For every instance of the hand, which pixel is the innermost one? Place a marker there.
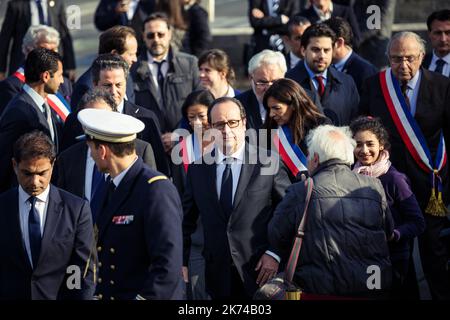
(268, 267)
(167, 141)
(122, 6)
(258, 14)
(284, 19)
(185, 272)
(71, 74)
(2, 76)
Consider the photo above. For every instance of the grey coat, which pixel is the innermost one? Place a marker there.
(346, 229)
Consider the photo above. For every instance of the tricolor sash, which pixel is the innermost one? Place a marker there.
(414, 139)
(190, 149)
(292, 155)
(55, 101)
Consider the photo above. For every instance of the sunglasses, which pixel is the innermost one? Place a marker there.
(152, 35)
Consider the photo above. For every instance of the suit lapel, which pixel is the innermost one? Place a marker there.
(16, 231)
(144, 72)
(120, 195)
(244, 178)
(54, 210)
(423, 95)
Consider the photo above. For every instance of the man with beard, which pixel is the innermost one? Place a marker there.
(162, 76)
(29, 109)
(336, 92)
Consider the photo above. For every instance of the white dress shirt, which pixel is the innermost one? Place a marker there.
(132, 9)
(35, 13)
(24, 211)
(293, 59)
(90, 163)
(154, 69)
(445, 69)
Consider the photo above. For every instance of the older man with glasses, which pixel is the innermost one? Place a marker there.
(414, 105)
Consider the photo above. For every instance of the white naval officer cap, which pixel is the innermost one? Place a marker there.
(109, 126)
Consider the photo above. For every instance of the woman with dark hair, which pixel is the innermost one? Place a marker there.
(195, 114)
(292, 113)
(371, 152)
(216, 73)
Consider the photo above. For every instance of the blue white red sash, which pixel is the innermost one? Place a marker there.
(410, 131)
(55, 101)
(190, 149)
(292, 155)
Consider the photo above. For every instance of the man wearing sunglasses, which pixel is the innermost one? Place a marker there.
(234, 191)
(162, 76)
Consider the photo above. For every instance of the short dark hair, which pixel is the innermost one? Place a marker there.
(317, 31)
(108, 61)
(296, 21)
(115, 38)
(203, 97)
(373, 125)
(218, 60)
(156, 16)
(34, 144)
(120, 150)
(38, 61)
(227, 99)
(442, 15)
(96, 95)
(341, 28)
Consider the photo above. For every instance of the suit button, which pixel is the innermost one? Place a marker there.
(112, 298)
(113, 267)
(111, 282)
(99, 280)
(99, 249)
(100, 297)
(99, 264)
(112, 250)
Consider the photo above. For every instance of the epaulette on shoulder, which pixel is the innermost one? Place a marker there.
(156, 178)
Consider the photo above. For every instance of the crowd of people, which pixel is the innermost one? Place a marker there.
(159, 179)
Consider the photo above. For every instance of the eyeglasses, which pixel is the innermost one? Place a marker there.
(152, 35)
(221, 125)
(262, 83)
(400, 59)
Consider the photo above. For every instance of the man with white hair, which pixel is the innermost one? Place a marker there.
(347, 227)
(39, 36)
(414, 106)
(263, 69)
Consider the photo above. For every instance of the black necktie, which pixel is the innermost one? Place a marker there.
(405, 95)
(226, 190)
(439, 66)
(160, 76)
(40, 11)
(110, 191)
(34, 231)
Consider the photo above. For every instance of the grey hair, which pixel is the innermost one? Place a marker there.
(37, 34)
(406, 34)
(330, 142)
(267, 57)
(97, 95)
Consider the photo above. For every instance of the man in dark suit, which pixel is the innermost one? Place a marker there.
(263, 69)
(139, 224)
(292, 39)
(46, 234)
(335, 92)
(344, 58)
(20, 15)
(40, 36)
(163, 77)
(268, 20)
(427, 98)
(110, 71)
(322, 10)
(29, 109)
(119, 40)
(234, 192)
(75, 167)
(438, 24)
(198, 36)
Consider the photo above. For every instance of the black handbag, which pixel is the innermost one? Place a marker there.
(282, 287)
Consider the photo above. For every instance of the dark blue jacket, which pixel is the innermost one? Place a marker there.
(359, 69)
(408, 218)
(340, 100)
(68, 239)
(143, 257)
